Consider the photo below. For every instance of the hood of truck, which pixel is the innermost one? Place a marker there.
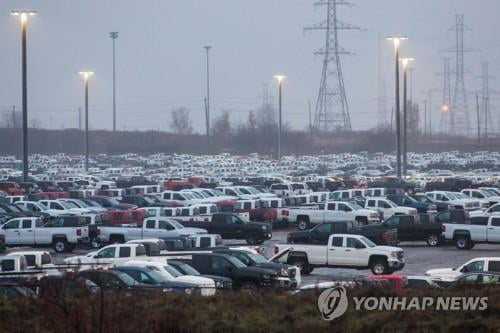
(191, 231)
(384, 250)
(198, 280)
(446, 274)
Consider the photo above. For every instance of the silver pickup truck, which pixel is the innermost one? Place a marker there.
(485, 230)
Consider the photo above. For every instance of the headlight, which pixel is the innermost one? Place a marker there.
(266, 276)
(188, 291)
(394, 254)
(264, 227)
(167, 290)
(284, 272)
(219, 284)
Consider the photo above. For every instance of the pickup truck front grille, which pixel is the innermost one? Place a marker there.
(292, 272)
(400, 255)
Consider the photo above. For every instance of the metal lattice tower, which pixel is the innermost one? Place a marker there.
(446, 114)
(459, 107)
(485, 99)
(332, 108)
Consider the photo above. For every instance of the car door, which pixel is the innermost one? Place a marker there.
(12, 232)
(27, 231)
(221, 266)
(356, 253)
(149, 230)
(331, 211)
(406, 228)
(336, 252)
(494, 230)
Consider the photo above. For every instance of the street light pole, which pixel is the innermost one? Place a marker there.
(397, 41)
(23, 15)
(207, 101)
(280, 79)
(86, 76)
(405, 62)
(114, 36)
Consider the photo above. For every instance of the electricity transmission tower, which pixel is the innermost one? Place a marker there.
(485, 99)
(332, 108)
(459, 123)
(446, 114)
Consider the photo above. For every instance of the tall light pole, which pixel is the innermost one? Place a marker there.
(280, 79)
(114, 36)
(24, 15)
(397, 41)
(207, 102)
(405, 62)
(86, 76)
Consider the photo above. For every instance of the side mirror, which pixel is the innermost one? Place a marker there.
(359, 246)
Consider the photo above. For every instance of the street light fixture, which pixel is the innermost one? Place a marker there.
(207, 102)
(114, 35)
(397, 42)
(86, 76)
(24, 15)
(280, 79)
(405, 62)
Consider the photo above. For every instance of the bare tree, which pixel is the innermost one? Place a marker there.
(12, 119)
(181, 122)
(35, 123)
(222, 125)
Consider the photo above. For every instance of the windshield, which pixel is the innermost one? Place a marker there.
(113, 202)
(258, 258)
(197, 195)
(127, 279)
(356, 206)
(148, 200)
(208, 193)
(176, 224)
(187, 269)
(486, 193)
(91, 203)
(68, 205)
(172, 271)
(22, 208)
(244, 191)
(392, 204)
(423, 199)
(452, 195)
(368, 242)
(236, 262)
(157, 276)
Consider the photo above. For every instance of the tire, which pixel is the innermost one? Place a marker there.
(302, 224)
(362, 220)
(379, 267)
(94, 243)
(463, 242)
(253, 239)
(301, 263)
(60, 245)
(116, 240)
(433, 240)
(248, 285)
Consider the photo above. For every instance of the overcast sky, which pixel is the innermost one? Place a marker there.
(161, 61)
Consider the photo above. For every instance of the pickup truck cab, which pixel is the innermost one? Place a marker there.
(416, 228)
(343, 250)
(483, 196)
(151, 228)
(232, 226)
(30, 231)
(333, 211)
(407, 201)
(486, 264)
(35, 259)
(388, 208)
(484, 231)
(66, 207)
(111, 255)
(451, 198)
(493, 210)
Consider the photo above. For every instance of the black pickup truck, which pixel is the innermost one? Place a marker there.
(243, 276)
(416, 228)
(231, 226)
(377, 233)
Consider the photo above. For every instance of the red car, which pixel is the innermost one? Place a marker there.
(397, 281)
(11, 188)
(125, 216)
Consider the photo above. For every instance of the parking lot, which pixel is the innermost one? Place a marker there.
(419, 258)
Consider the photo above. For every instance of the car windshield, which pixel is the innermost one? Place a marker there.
(113, 202)
(91, 203)
(127, 279)
(368, 242)
(157, 276)
(176, 224)
(486, 193)
(188, 270)
(355, 206)
(209, 193)
(423, 199)
(22, 208)
(196, 195)
(392, 204)
(236, 262)
(258, 258)
(40, 206)
(68, 205)
(452, 195)
(148, 200)
(244, 191)
(172, 271)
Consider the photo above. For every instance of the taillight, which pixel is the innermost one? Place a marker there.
(276, 249)
(443, 228)
(98, 232)
(78, 232)
(206, 219)
(257, 249)
(191, 220)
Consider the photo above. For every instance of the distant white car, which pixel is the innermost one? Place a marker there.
(486, 264)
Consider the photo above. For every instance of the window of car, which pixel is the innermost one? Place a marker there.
(165, 225)
(13, 224)
(324, 228)
(337, 241)
(344, 208)
(417, 283)
(470, 278)
(220, 263)
(495, 222)
(331, 206)
(479, 220)
(107, 253)
(124, 252)
(30, 259)
(475, 266)
(46, 259)
(26, 224)
(150, 224)
(205, 242)
(371, 203)
(203, 210)
(487, 278)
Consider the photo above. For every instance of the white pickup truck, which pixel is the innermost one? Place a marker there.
(456, 200)
(307, 217)
(111, 255)
(493, 210)
(486, 264)
(29, 231)
(387, 208)
(156, 227)
(466, 236)
(346, 251)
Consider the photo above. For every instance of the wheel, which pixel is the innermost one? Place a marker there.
(463, 243)
(379, 267)
(362, 220)
(248, 285)
(253, 239)
(116, 240)
(94, 243)
(60, 245)
(302, 224)
(433, 240)
(302, 264)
